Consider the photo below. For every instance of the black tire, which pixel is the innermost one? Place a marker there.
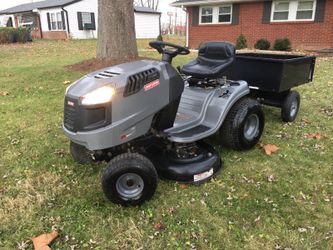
(129, 179)
(237, 131)
(80, 154)
(290, 106)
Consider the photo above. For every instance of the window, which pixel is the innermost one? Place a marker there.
(295, 10)
(225, 14)
(86, 20)
(55, 20)
(216, 14)
(305, 10)
(281, 11)
(206, 15)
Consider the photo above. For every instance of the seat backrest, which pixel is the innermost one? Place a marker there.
(217, 51)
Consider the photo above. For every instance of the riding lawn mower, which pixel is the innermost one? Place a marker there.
(148, 119)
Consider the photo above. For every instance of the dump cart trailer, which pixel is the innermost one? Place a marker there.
(271, 77)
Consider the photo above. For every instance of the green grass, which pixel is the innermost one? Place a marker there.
(42, 188)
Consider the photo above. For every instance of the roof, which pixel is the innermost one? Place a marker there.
(59, 3)
(185, 3)
(37, 5)
(145, 10)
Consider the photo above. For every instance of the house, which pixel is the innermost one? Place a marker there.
(307, 23)
(78, 19)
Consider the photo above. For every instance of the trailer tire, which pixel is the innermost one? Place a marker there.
(290, 106)
(80, 154)
(129, 179)
(243, 126)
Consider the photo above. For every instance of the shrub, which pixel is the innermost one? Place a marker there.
(159, 38)
(262, 44)
(12, 35)
(6, 35)
(241, 42)
(282, 44)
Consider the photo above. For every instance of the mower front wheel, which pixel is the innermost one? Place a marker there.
(129, 179)
(243, 125)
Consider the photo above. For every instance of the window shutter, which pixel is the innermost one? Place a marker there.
(320, 11)
(93, 22)
(48, 20)
(195, 16)
(235, 13)
(63, 20)
(79, 20)
(266, 17)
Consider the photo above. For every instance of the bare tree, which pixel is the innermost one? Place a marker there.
(116, 30)
(153, 4)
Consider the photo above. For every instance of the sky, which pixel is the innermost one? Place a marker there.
(164, 7)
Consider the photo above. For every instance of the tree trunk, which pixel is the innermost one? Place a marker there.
(116, 30)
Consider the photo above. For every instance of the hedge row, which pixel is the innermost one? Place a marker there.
(14, 35)
(263, 44)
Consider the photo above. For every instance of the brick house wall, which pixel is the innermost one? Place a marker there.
(308, 35)
(57, 35)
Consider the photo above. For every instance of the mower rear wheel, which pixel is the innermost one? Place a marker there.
(290, 106)
(243, 125)
(129, 179)
(80, 154)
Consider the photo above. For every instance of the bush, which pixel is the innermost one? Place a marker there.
(241, 42)
(6, 35)
(262, 44)
(159, 38)
(12, 35)
(282, 44)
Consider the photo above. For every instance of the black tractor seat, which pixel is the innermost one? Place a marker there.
(214, 58)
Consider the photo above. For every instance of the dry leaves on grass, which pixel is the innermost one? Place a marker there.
(42, 242)
(4, 93)
(66, 82)
(159, 226)
(270, 148)
(312, 135)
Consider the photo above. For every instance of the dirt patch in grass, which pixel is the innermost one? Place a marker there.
(94, 64)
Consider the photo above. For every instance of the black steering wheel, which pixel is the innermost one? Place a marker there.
(168, 54)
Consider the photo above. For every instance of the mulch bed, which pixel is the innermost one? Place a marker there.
(94, 64)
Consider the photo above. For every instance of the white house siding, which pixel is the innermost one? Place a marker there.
(81, 6)
(147, 25)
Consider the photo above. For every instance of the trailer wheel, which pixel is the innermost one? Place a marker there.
(243, 125)
(80, 154)
(290, 106)
(129, 179)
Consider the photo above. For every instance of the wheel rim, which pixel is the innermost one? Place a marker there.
(251, 128)
(293, 108)
(130, 185)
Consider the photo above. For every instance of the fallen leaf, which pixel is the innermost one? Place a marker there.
(159, 226)
(257, 219)
(312, 135)
(183, 186)
(270, 148)
(67, 82)
(270, 178)
(4, 93)
(42, 242)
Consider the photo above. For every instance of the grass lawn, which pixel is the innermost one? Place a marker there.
(257, 202)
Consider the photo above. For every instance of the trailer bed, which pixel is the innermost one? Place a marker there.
(271, 72)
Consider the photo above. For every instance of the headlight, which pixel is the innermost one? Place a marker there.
(98, 96)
